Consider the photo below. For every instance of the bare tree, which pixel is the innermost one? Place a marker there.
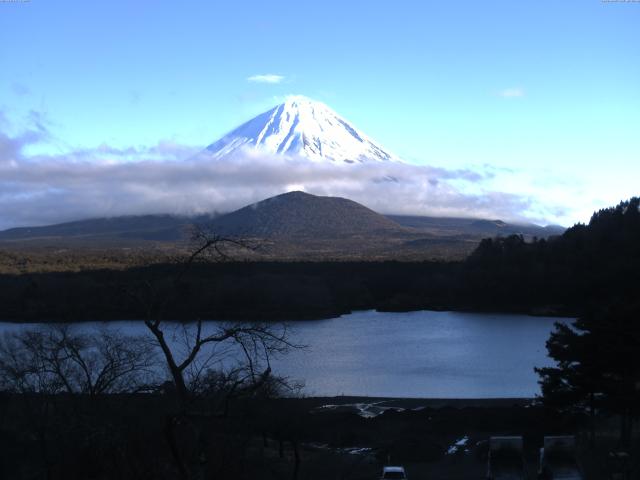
(247, 349)
(57, 359)
(58, 372)
(232, 358)
(208, 363)
(243, 348)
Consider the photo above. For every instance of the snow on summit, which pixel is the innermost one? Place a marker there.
(302, 127)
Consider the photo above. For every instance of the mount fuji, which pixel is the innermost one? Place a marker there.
(305, 128)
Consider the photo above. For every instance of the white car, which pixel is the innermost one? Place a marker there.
(393, 473)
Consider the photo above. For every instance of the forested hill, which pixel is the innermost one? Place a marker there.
(587, 264)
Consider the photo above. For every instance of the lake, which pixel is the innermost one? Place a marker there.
(411, 354)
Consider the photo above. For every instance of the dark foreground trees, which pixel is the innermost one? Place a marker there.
(82, 403)
(80, 392)
(61, 359)
(598, 365)
(53, 382)
(209, 364)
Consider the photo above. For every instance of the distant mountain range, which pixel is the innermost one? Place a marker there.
(138, 227)
(474, 226)
(291, 225)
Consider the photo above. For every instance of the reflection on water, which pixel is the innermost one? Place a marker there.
(414, 354)
(422, 354)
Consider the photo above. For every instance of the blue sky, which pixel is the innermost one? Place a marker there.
(544, 93)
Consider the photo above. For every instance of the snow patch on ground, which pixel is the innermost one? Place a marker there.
(459, 445)
(365, 410)
(364, 451)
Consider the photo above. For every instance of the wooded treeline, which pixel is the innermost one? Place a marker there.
(561, 275)
(598, 366)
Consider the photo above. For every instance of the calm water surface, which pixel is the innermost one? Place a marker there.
(414, 354)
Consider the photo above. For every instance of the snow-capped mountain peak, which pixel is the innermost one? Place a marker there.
(302, 127)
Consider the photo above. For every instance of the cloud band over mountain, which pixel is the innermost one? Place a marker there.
(44, 189)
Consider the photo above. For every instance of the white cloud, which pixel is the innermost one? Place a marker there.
(266, 78)
(171, 178)
(513, 92)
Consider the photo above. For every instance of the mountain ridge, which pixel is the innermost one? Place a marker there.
(293, 225)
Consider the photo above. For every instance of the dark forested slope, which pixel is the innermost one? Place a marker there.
(586, 265)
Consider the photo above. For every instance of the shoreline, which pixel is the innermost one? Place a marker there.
(413, 403)
(557, 315)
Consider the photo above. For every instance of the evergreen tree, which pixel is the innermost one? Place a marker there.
(597, 365)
